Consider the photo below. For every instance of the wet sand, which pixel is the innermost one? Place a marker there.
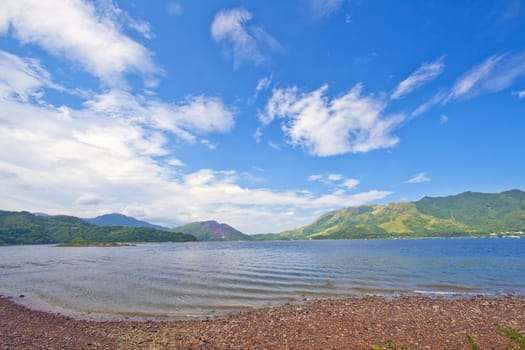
(418, 322)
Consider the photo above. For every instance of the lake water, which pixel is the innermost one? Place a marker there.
(205, 279)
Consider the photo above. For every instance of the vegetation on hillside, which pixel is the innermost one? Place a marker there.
(115, 219)
(465, 214)
(26, 228)
(212, 231)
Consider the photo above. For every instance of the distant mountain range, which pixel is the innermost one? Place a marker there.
(121, 220)
(26, 228)
(212, 231)
(465, 214)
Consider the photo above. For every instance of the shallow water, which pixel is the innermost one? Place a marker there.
(210, 278)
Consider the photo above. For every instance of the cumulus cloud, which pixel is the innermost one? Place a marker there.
(195, 114)
(424, 74)
(419, 178)
(59, 158)
(351, 123)
(62, 159)
(83, 34)
(246, 43)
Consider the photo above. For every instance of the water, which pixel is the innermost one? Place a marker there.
(205, 279)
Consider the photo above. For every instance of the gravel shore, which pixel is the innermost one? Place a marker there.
(418, 322)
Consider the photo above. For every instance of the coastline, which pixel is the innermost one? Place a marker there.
(356, 323)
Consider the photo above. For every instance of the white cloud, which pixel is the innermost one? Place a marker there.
(520, 94)
(316, 177)
(208, 144)
(438, 98)
(324, 8)
(101, 158)
(350, 183)
(474, 77)
(424, 74)
(494, 74)
(108, 11)
(334, 179)
(273, 145)
(419, 178)
(195, 114)
(175, 162)
(174, 8)
(244, 42)
(257, 135)
(81, 33)
(263, 84)
(351, 123)
(443, 119)
(22, 78)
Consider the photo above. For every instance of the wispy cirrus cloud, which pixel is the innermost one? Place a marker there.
(494, 74)
(243, 41)
(424, 74)
(419, 178)
(351, 123)
(476, 79)
(22, 78)
(324, 8)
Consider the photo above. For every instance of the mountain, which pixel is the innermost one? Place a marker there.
(212, 231)
(26, 228)
(115, 219)
(465, 214)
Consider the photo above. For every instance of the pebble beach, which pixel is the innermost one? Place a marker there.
(357, 323)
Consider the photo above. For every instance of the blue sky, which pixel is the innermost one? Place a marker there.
(260, 114)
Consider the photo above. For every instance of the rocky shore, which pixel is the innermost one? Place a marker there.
(417, 322)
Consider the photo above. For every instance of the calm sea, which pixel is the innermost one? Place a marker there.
(206, 279)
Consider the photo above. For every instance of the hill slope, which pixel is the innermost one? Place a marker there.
(26, 228)
(212, 231)
(468, 213)
(115, 219)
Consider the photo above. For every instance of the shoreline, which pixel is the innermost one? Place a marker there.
(351, 323)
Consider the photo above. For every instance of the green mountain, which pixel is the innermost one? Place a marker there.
(26, 228)
(212, 231)
(465, 214)
(115, 219)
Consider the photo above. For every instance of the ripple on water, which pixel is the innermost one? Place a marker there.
(202, 279)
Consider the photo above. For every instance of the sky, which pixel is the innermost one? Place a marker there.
(260, 114)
